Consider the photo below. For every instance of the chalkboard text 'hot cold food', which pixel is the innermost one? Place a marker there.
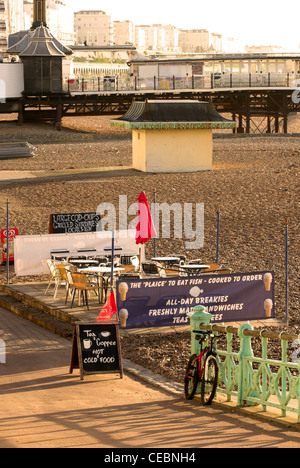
(96, 348)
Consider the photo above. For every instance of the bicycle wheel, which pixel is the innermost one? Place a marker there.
(209, 380)
(191, 378)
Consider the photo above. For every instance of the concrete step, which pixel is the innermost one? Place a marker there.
(37, 304)
(36, 315)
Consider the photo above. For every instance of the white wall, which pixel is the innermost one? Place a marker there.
(178, 70)
(148, 71)
(12, 80)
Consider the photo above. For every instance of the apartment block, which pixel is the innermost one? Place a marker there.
(11, 20)
(150, 34)
(168, 38)
(194, 40)
(140, 38)
(124, 32)
(93, 27)
(216, 42)
(171, 38)
(157, 37)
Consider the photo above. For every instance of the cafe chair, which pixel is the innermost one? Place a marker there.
(102, 261)
(125, 260)
(153, 269)
(63, 273)
(129, 264)
(59, 254)
(223, 271)
(70, 286)
(69, 269)
(135, 262)
(182, 259)
(116, 261)
(81, 284)
(129, 275)
(55, 277)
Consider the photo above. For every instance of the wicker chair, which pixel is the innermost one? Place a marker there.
(68, 270)
(55, 277)
(81, 284)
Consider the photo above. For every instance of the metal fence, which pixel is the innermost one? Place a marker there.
(272, 382)
(173, 83)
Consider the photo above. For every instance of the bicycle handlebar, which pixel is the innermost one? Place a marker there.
(207, 333)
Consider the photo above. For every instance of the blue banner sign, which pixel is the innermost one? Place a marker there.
(162, 302)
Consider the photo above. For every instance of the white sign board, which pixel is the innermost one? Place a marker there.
(32, 252)
(11, 80)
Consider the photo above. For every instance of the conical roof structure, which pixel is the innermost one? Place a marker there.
(19, 46)
(19, 41)
(172, 114)
(41, 44)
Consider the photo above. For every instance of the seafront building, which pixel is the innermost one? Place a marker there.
(11, 20)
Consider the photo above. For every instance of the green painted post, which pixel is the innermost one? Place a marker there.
(264, 355)
(284, 379)
(198, 317)
(245, 352)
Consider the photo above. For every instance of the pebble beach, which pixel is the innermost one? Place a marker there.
(254, 183)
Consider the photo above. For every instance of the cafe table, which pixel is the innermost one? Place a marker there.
(82, 263)
(170, 264)
(101, 272)
(194, 269)
(166, 260)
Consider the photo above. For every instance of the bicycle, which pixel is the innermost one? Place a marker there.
(202, 369)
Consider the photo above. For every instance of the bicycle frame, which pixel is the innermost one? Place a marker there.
(201, 361)
(201, 356)
(200, 367)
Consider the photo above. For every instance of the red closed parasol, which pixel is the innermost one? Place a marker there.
(145, 229)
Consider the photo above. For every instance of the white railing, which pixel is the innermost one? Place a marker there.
(198, 82)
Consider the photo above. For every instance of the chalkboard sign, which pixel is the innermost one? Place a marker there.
(96, 348)
(74, 223)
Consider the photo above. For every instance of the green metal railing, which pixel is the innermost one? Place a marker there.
(253, 380)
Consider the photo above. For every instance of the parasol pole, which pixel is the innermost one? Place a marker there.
(112, 260)
(218, 234)
(154, 220)
(140, 257)
(286, 272)
(140, 245)
(7, 242)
